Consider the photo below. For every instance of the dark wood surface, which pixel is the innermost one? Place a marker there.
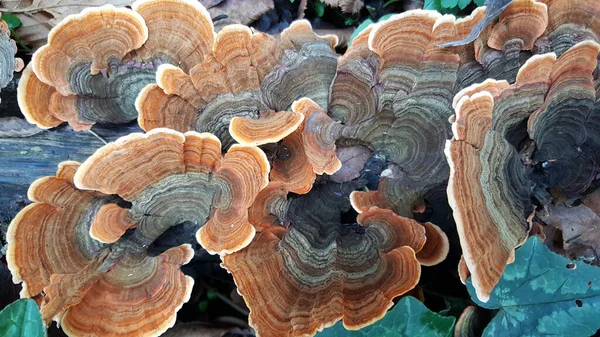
(23, 160)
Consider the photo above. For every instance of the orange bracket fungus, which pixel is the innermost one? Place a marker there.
(88, 287)
(172, 178)
(311, 275)
(96, 62)
(245, 87)
(490, 186)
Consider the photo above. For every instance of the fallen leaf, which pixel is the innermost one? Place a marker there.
(580, 228)
(38, 17)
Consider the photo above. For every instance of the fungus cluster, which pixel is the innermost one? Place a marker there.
(308, 138)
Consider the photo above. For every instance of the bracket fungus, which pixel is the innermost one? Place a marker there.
(246, 86)
(171, 178)
(310, 274)
(96, 72)
(490, 187)
(91, 288)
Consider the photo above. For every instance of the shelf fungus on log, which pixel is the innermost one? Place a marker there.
(490, 186)
(310, 274)
(245, 88)
(392, 94)
(8, 63)
(436, 247)
(526, 28)
(172, 178)
(96, 62)
(88, 287)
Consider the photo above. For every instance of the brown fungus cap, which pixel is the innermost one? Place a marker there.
(171, 178)
(103, 67)
(436, 246)
(310, 288)
(492, 216)
(245, 88)
(91, 288)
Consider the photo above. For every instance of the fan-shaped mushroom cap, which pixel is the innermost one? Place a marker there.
(171, 178)
(245, 88)
(492, 214)
(43, 106)
(49, 236)
(566, 127)
(310, 274)
(269, 205)
(319, 143)
(436, 246)
(392, 94)
(185, 42)
(521, 22)
(570, 22)
(91, 288)
(105, 65)
(271, 127)
(291, 164)
(112, 33)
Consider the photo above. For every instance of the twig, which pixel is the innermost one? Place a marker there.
(98, 136)
(301, 9)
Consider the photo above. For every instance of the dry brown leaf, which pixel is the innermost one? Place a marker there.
(580, 228)
(39, 16)
(238, 11)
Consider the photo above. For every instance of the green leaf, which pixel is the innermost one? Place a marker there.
(12, 21)
(463, 3)
(21, 319)
(365, 24)
(479, 2)
(449, 3)
(319, 8)
(544, 294)
(409, 318)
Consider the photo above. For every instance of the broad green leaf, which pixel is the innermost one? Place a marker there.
(433, 5)
(449, 3)
(319, 8)
(479, 2)
(544, 294)
(12, 21)
(463, 3)
(409, 318)
(21, 319)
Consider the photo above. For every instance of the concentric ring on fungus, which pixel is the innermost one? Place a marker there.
(91, 288)
(318, 271)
